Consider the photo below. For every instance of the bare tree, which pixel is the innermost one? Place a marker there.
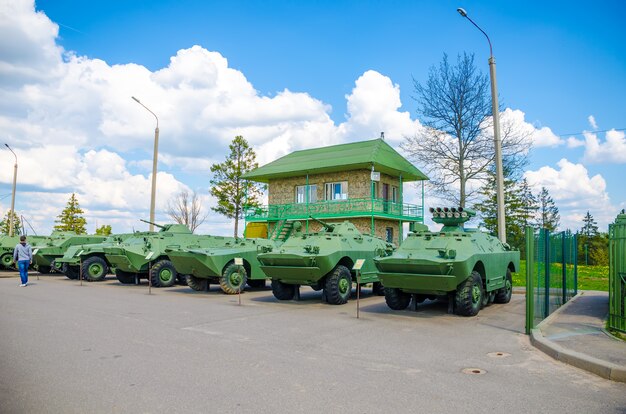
(186, 209)
(455, 147)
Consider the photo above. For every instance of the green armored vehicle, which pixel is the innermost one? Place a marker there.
(143, 254)
(323, 260)
(7, 245)
(46, 250)
(472, 268)
(95, 265)
(217, 264)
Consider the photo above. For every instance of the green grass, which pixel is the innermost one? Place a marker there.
(589, 277)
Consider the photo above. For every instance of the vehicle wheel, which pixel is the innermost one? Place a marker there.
(233, 279)
(256, 283)
(95, 269)
(503, 295)
(125, 278)
(163, 274)
(44, 269)
(283, 291)
(469, 296)
(72, 272)
(197, 283)
(7, 260)
(397, 299)
(338, 286)
(181, 279)
(378, 289)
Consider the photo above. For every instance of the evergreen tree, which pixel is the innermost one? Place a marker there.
(590, 226)
(549, 216)
(104, 230)
(71, 218)
(5, 224)
(231, 191)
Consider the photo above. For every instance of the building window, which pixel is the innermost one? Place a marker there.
(301, 193)
(336, 191)
(389, 234)
(394, 194)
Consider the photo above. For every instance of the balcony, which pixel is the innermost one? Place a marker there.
(355, 207)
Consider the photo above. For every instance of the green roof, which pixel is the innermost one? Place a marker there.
(343, 157)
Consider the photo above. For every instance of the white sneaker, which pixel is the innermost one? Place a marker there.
(22, 285)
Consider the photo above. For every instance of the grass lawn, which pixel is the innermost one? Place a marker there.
(589, 277)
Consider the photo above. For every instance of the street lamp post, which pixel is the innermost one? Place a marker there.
(12, 213)
(496, 134)
(154, 164)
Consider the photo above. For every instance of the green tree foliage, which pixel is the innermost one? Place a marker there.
(593, 246)
(231, 191)
(5, 224)
(71, 218)
(104, 230)
(590, 226)
(549, 216)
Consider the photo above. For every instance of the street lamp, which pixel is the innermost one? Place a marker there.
(12, 214)
(154, 164)
(496, 134)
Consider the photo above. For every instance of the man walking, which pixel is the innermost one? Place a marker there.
(23, 256)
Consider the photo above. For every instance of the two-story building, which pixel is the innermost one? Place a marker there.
(360, 181)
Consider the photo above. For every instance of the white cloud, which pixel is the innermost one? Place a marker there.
(592, 122)
(574, 192)
(573, 142)
(612, 150)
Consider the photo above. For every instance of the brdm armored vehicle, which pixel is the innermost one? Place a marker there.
(143, 254)
(472, 268)
(45, 251)
(323, 260)
(7, 246)
(89, 257)
(216, 265)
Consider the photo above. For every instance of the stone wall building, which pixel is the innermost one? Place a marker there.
(361, 182)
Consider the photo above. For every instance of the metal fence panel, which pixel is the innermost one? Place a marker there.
(617, 273)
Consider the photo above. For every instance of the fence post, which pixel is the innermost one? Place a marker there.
(530, 265)
(575, 264)
(546, 311)
(564, 269)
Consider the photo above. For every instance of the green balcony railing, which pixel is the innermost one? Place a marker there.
(354, 207)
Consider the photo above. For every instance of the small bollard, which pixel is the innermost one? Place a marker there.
(358, 266)
(239, 264)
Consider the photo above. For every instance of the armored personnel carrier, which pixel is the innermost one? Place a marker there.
(323, 260)
(46, 250)
(216, 265)
(143, 254)
(471, 268)
(7, 245)
(95, 265)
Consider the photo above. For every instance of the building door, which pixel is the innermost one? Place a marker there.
(385, 197)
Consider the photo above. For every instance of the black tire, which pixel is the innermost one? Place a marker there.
(338, 286)
(503, 295)
(469, 296)
(72, 272)
(283, 291)
(163, 274)
(256, 283)
(378, 289)
(7, 261)
(95, 269)
(46, 269)
(397, 299)
(181, 279)
(196, 283)
(233, 279)
(125, 278)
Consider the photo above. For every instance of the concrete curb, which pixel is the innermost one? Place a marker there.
(596, 366)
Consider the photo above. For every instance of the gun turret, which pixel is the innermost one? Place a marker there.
(452, 217)
(154, 224)
(327, 226)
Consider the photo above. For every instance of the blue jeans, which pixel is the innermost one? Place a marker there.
(22, 265)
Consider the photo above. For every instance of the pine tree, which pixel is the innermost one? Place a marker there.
(104, 230)
(71, 218)
(231, 191)
(590, 226)
(549, 216)
(5, 224)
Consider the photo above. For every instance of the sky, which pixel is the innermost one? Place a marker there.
(289, 75)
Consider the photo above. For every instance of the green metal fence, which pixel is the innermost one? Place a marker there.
(551, 273)
(617, 273)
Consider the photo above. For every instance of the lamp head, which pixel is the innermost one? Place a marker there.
(7, 145)
(462, 11)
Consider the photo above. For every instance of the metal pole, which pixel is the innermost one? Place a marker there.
(496, 134)
(564, 268)
(12, 213)
(149, 278)
(154, 164)
(530, 265)
(546, 311)
(358, 292)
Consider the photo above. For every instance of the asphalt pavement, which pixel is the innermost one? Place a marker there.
(109, 348)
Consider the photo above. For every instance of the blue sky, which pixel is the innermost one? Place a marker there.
(557, 66)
